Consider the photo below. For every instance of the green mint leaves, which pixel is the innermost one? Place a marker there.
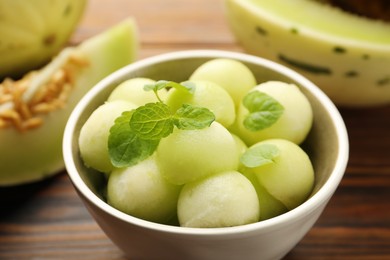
(189, 117)
(152, 121)
(124, 146)
(264, 110)
(155, 120)
(137, 133)
(259, 155)
(184, 86)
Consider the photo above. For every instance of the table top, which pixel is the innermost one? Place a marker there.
(47, 220)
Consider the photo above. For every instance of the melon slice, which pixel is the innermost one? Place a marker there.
(346, 55)
(32, 32)
(31, 150)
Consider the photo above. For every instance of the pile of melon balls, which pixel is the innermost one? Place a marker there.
(196, 178)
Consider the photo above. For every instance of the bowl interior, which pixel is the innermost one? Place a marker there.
(322, 144)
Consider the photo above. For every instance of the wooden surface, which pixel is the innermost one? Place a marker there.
(47, 220)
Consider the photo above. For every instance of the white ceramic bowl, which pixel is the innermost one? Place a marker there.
(327, 145)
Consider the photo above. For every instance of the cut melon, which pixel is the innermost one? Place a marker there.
(36, 153)
(32, 32)
(346, 55)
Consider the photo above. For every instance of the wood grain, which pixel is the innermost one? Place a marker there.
(47, 220)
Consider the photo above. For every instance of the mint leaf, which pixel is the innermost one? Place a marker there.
(259, 155)
(152, 121)
(125, 148)
(186, 86)
(264, 110)
(156, 86)
(190, 117)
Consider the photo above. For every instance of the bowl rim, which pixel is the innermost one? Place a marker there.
(320, 198)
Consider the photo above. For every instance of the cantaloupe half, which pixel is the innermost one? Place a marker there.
(346, 55)
(33, 153)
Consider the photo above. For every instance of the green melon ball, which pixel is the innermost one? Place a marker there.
(209, 95)
(241, 148)
(269, 206)
(295, 122)
(142, 192)
(235, 77)
(189, 155)
(94, 134)
(290, 178)
(133, 90)
(221, 200)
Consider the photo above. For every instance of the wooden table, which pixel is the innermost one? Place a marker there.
(47, 220)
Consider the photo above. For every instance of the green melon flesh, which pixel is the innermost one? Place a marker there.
(320, 17)
(36, 154)
(34, 31)
(347, 56)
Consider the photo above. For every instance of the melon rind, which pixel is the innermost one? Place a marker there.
(351, 68)
(32, 32)
(37, 154)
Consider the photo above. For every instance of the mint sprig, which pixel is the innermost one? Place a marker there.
(136, 134)
(264, 110)
(259, 155)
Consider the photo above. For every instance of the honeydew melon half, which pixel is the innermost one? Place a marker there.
(32, 32)
(34, 154)
(346, 55)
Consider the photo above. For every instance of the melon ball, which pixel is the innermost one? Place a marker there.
(93, 139)
(220, 200)
(290, 178)
(209, 95)
(133, 90)
(269, 206)
(232, 75)
(189, 155)
(241, 148)
(142, 192)
(295, 122)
